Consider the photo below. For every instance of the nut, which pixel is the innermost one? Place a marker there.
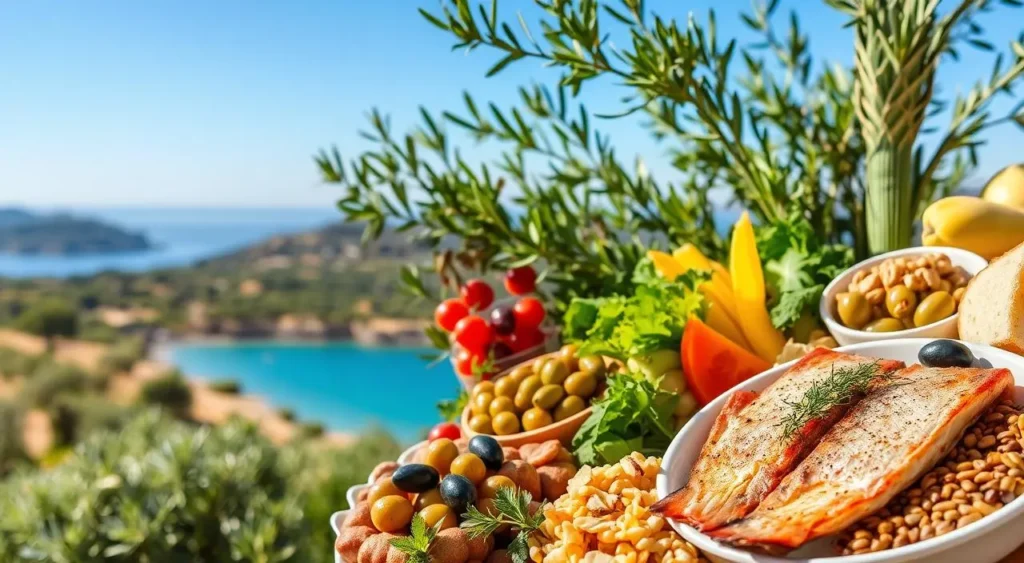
(876, 296)
(915, 283)
(870, 282)
(891, 273)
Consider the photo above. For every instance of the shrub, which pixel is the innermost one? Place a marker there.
(323, 476)
(12, 449)
(286, 413)
(97, 331)
(160, 490)
(170, 391)
(76, 417)
(311, 429)
(229, 386)
(49, 318)
(121, 357)
(13, 362)
(52, 380)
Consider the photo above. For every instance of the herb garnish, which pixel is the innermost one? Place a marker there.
(513, 509)
(839, 388)
(417, 544)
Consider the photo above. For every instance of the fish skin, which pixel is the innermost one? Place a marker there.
(746, 455)
(887, 441)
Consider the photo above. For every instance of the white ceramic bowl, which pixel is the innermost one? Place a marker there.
(353, 493)
(986, 541)
(336, 521)
(946, 328)
(407, 455)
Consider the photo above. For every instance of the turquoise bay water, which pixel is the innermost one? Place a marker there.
(345, 386)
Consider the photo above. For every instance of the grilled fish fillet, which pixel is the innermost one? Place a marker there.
(745, 456)
(896, 433)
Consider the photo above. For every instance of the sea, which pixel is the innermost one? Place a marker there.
(346, 387)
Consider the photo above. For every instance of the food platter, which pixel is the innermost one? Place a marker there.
(730, 382)
(987, 541)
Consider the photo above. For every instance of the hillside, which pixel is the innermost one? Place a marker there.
(26, 233)
(319, 284)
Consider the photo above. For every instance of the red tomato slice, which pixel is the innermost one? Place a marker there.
(713, 364)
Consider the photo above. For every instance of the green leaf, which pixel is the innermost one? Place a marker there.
(519, 549)
(793, 304)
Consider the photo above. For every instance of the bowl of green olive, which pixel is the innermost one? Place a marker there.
(546, 398)
(909, 293)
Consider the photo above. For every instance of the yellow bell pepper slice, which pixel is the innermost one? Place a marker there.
(720, 285)
(716, 318)
(748, 287)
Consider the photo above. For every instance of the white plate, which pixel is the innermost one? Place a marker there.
(986, 541)
(946, 328)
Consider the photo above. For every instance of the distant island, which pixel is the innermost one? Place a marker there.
(26, 233)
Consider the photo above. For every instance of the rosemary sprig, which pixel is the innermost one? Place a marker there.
(513, 509)
(839, 388)
(418, 543)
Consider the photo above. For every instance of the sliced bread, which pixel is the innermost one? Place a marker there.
(992, 308)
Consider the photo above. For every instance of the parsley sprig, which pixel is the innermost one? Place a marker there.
(513, 508)
(839, 388)
(417, 544)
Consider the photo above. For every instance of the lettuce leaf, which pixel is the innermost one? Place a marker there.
(651, 319)
(632, 416)
(797, 268)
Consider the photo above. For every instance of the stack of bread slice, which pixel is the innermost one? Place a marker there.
(992, 308)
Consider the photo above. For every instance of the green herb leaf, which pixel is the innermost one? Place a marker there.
(513, 508)
(451, 409)
(792, 304)
(633, 415)
(839, 388)
(417, 544)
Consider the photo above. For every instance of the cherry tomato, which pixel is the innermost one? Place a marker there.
(448, 430)
(529, 312)
(450, 312)
(477, 294)
(503, 320)
(520, 281)
(526, 339)
(466, 361)
(474, 334)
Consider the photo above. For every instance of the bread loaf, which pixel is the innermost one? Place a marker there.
(992, 308)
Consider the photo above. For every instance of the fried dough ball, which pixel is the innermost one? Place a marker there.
(450, 546)
(511, 454)
(542, 454)
(349, 540)
(523, 475)
(383, 469)
(554, 479)
(499, 556)
(375, 549)
(360, 516)
(481, 547)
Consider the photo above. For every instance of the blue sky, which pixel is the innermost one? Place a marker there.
(193, 102)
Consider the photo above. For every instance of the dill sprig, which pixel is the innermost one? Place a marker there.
(839, 388)
(513, 508)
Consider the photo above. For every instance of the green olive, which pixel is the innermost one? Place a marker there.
(469, 466)
(483, 387)
(567, 354)
(439, 513)
(581, 383)
(481, 424)
(554, 372)
(489, 488)
(900, 300)
(481, 402)
(569, 406)
(527, 388)
(381, 489)
(440, 454)
(593, 365)
(500, 404)
(521, 372)
(423, 500)
(887, 324)
(548, 396)
(934, 308)
(391, 513)
(506, 387)
(538, 364)
(505, 423)
(536, 418)
(854, 309)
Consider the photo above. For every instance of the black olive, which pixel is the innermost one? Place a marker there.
(945, 354)
(457, 492)
(503, 320)
(415, 478)
(488, 450)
